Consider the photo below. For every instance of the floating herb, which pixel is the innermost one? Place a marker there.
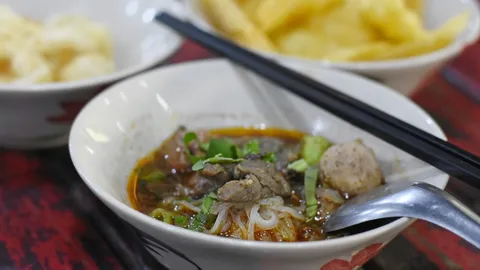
(221, 146)
(199, 165)
(207, 203)
(271, 158)
(251, 147)
(200, 222)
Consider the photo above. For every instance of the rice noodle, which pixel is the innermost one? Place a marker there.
(251, 222)
(266, 224)
(228, 224)
(277, 200)
(189, 206)
(292, 212)
(221, 219)
(238, 221)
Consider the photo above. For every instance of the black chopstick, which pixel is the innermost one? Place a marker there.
(467, 157)
(443, 155)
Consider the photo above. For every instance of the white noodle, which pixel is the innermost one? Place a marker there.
(240, 225)
(277, 200)
(292, 212)
(228, 223)
(221, 219)
(189, 206)
(266, 224)
(252, 221)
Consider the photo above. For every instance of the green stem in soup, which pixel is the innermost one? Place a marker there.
(310, 182)
(313, 148)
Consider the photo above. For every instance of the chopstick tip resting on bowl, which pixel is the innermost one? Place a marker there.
(456, 162)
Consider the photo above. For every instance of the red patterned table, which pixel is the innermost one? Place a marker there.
(50, 220)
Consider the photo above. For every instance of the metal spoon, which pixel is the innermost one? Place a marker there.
(409, 199)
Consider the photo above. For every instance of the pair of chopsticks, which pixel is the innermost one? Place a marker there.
(452, 160)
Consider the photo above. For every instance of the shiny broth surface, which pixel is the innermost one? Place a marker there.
(253, 184)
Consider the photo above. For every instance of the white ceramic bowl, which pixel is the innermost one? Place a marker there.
(139, 113)
(41, 115)
(403, 74)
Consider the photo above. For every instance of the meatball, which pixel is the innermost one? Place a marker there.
(350, 168)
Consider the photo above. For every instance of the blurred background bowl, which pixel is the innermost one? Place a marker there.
(402, 74)
(40, 115)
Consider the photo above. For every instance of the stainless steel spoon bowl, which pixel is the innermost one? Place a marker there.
(409, 199)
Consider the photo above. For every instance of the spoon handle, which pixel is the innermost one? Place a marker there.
(448, 212)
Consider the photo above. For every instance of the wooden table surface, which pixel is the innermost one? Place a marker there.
(50, 220)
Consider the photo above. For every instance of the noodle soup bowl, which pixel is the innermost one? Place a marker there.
(132, 118)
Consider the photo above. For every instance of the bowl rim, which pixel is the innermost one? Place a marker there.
(187, 236)
(468, 37)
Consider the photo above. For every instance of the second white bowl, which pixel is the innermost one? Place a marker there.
(403, 74)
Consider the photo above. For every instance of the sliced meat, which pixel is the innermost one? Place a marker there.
(172, 154)
(350, 168)
(266, 174)
(217, 172)
(288, 153)
(245, 190)
(162, 188)
(198, 185)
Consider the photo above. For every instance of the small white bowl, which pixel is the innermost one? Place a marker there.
(403, 74)
(40, 115)
(139, 113)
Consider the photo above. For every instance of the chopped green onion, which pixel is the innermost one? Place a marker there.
(312, 211)
(238, 151)
(310, 182)
(221, 146)
(200, 222)
(153, 176)
(298, 165)
(199, 165)
(313, 148)
(251, 147)
(162, 215)
(181, 221)
(271, 158)
(207, 204)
